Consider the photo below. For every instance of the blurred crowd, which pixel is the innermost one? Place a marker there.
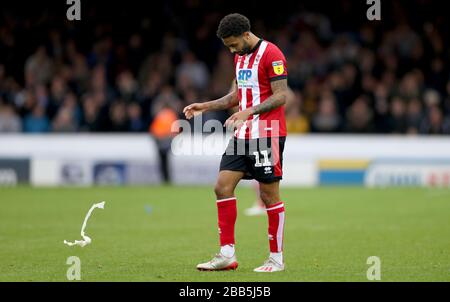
(104, 76)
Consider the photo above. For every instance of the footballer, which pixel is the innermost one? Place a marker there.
(256, 150)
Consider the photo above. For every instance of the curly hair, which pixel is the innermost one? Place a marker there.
(233, 25)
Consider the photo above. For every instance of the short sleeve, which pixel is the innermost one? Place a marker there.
(275, 64)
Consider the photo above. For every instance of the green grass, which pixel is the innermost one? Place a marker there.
(329, 234)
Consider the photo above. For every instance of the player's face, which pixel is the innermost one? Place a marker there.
(237, 45)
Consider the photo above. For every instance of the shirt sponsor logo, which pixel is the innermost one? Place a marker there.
(244, 74)
(243, 79)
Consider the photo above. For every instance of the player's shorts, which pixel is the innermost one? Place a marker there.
(260, 159)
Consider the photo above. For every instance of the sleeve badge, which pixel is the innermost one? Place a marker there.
(278, 67)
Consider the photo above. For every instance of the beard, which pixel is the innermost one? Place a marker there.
(245, 49)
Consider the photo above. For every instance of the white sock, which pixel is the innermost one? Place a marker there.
(278, 257)
(227, 250)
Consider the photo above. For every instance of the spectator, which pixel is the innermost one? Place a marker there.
(381, 108)
(127, 86)
(191, 73)
(446, 104)
(90, 120)
(36, 121)
(166, 98)
(99, 85)
(296, 121)
(136, 123)
(118, 120)
(58, 91)
(435, 123)
(431, 98)
(222, 74)
(38, 67)
(327, 119)
(68, 117)
(64, 121)
(359, 117)
(135, 52)
(414, 116)
(397, 116)
(9, 120)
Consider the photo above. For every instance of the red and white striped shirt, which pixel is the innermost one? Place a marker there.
(254, 73)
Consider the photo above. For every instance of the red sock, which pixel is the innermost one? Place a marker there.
(275, 214)
(227, 214)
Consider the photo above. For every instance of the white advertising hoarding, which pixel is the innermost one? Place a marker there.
(309, 160)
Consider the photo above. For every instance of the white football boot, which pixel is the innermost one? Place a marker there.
(270, 266)
(219, 263)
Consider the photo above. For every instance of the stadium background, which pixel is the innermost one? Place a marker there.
(113, 70)
(89, 103)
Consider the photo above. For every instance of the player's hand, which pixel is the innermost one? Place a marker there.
(237, 119)
(193, 110)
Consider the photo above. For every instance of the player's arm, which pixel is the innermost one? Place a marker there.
(228, 101)
(280, 94)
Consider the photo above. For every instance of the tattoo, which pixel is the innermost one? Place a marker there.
(278, 98)
(228, 101)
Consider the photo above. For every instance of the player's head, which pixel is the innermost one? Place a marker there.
(234, 30)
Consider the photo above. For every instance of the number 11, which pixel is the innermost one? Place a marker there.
(266, 162)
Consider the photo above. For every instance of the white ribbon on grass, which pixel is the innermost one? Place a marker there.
(86, 240)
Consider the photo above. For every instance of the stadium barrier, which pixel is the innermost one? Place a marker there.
(79, 159)
(309, 160)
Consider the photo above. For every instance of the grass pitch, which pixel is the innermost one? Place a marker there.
(161, 233)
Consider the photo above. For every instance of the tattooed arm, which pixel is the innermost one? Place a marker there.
(226, 102)
(280, 94)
